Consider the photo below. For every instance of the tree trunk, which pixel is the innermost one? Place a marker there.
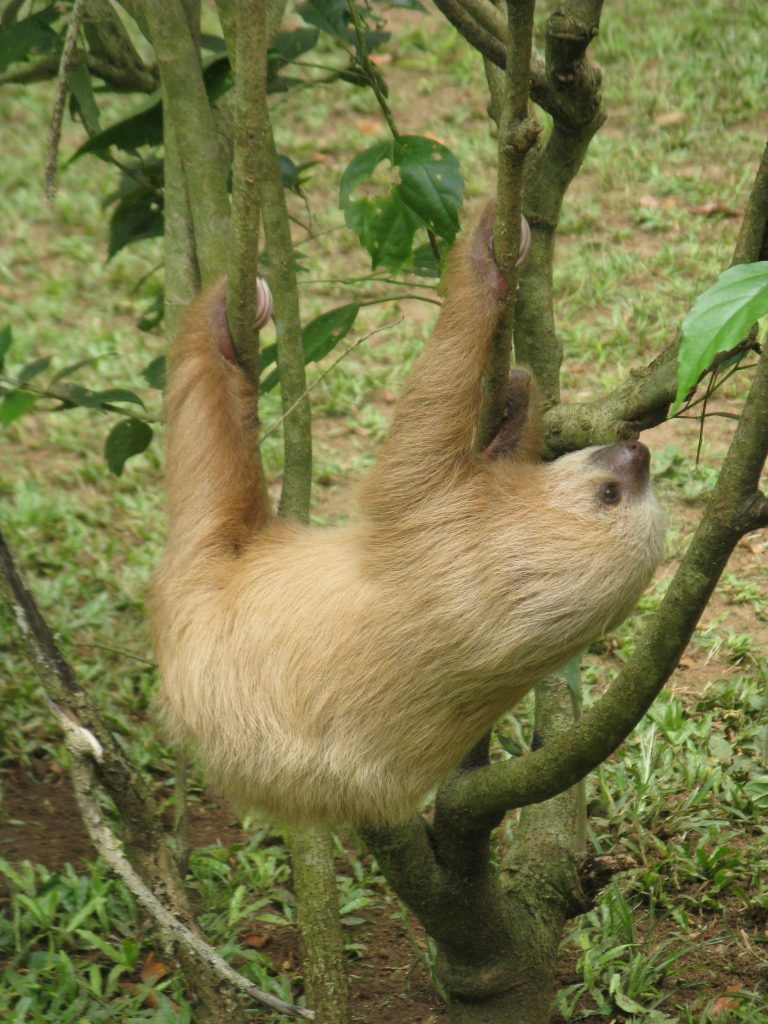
(325, 969)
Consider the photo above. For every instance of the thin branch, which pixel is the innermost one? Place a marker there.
(250, 130)
(67, 62)
(56, 395)
(485, 42)
(752, 243)
(185, 104)
(88, 741)
(275, 426)
(47, 68)
(570, 91)
(84, 749)
(363, 60)
(517, 134)
(297, 473)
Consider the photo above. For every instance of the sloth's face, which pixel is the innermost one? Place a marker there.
(605, 484)
(584, 535)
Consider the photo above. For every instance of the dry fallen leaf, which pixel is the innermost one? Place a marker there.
(724, 1004)
(754, 547)
(369, 126)
(154, 970)
(672, 117)
(708, 209)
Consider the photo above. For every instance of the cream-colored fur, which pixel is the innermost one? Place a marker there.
(339, 675)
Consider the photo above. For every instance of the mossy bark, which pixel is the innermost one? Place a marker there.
(497, 931)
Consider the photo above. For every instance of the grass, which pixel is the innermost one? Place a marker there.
(682, 935)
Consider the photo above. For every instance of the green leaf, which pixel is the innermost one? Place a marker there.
(112, 395)
(82, 90)
(322, 334)
(76, 394)
(15, 405)
(430, 182)
(390, 233)
(144, 127)
(127, 438)
(153, 314)
(291, 45)
(428, 194)
(720, 318)
(757, 791)
(214, 44)
(329, 16)
(136, 216)
(572, 674)
(424, 262)
(72, 394)
(267, 356)
(154, 373)
(72, 368)
(29, 37)
(6, 340)
(361, 168)
(319, 337)
(33, 369)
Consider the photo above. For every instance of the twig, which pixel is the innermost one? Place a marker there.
(365, 63)
(66, 63)
(61, 396)
(117, 650)
(326, 371)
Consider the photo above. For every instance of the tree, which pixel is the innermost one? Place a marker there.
(496, 930)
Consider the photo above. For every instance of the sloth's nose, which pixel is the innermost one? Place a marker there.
(629, 460)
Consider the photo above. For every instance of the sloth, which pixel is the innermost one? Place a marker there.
(339, 675)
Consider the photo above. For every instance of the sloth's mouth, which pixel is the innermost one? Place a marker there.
(629, 460)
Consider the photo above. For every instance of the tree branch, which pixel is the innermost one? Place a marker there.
(461, 14)
(489, 792)
(250, 131)
(517, 134)
(570, 91)
(185, 103)
(643, 399)
(83, 750)
(752, 243)
(66, 64)
(297, 435)
(88, 742)
(110, 44)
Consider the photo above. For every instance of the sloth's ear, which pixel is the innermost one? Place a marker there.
(519, 433)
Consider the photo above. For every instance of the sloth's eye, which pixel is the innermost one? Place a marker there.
(609, 493)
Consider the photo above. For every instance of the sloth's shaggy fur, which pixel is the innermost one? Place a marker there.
(338, 675)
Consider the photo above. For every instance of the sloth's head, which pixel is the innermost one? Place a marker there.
(604, 529)
(583, 534)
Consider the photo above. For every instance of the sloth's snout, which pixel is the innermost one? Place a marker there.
(629, 460)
